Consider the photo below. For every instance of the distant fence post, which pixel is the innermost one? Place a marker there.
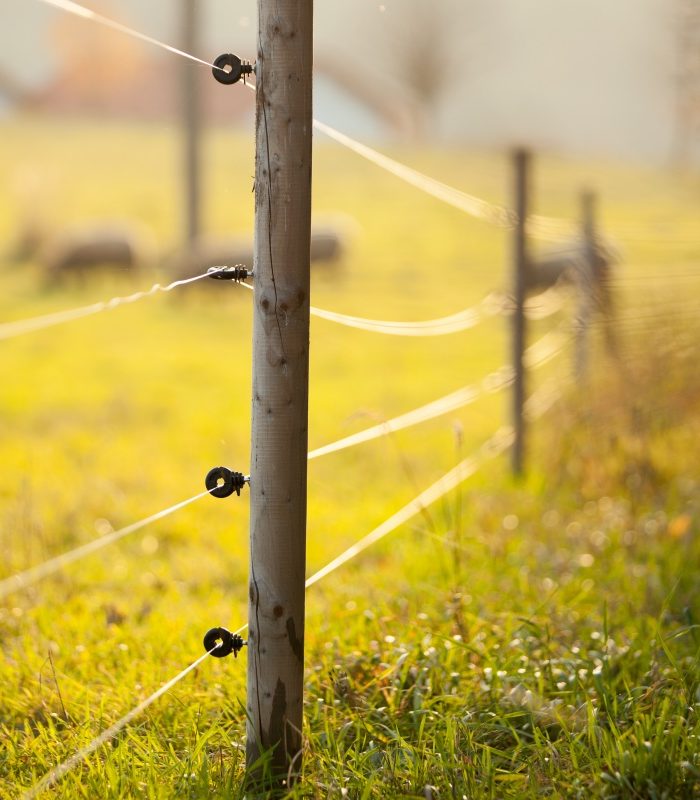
(521, 161)
(280, 390)
(588, 284)
(191, 119)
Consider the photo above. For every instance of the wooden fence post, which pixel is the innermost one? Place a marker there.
(521, 160)
(280, 386)
(191, 120)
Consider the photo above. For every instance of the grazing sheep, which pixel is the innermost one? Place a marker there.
(569, 263)
(327, 245)
(81, 251)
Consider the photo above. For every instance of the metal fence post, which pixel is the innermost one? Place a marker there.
(521, 160)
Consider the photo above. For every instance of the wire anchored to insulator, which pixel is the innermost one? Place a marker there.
(230, 69)
(223, 482)
(220, 642)
(238, 273)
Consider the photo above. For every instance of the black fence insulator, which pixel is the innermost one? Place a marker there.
(220, 642)
(223, 482)
(230, 69)
(237, 273)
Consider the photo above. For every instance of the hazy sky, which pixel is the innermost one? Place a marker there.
(577, 75)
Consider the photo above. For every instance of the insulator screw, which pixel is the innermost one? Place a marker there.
(220, 642)
(222, 482)
(230, 69)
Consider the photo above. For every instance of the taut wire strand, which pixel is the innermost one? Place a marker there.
(22, 326)
(495, 445)
(469, 204)
(547, 228)
(86, 13)
(461, 321)
(30, 576)
(539, 353)
(491, 305)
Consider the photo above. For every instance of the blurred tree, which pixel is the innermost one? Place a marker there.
(687, 139)
(95, 64)
(426, 48)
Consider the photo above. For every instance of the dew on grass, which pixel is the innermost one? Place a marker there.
(510, 522)
(103, 526)
(551, 518)
(599, 539)
(149, 545)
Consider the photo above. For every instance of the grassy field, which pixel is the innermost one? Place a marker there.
(518, 640)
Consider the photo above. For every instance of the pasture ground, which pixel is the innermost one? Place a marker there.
(518, 640)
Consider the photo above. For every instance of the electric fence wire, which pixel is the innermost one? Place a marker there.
(22, 580)
(547, 228)
(542, 351)
(466, 468)
(539, 226)
(538, 354)
(537, 307)
(462, 320)
(22, 326)
(469, 204)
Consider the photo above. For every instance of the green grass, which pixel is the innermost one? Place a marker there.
(519, 640)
